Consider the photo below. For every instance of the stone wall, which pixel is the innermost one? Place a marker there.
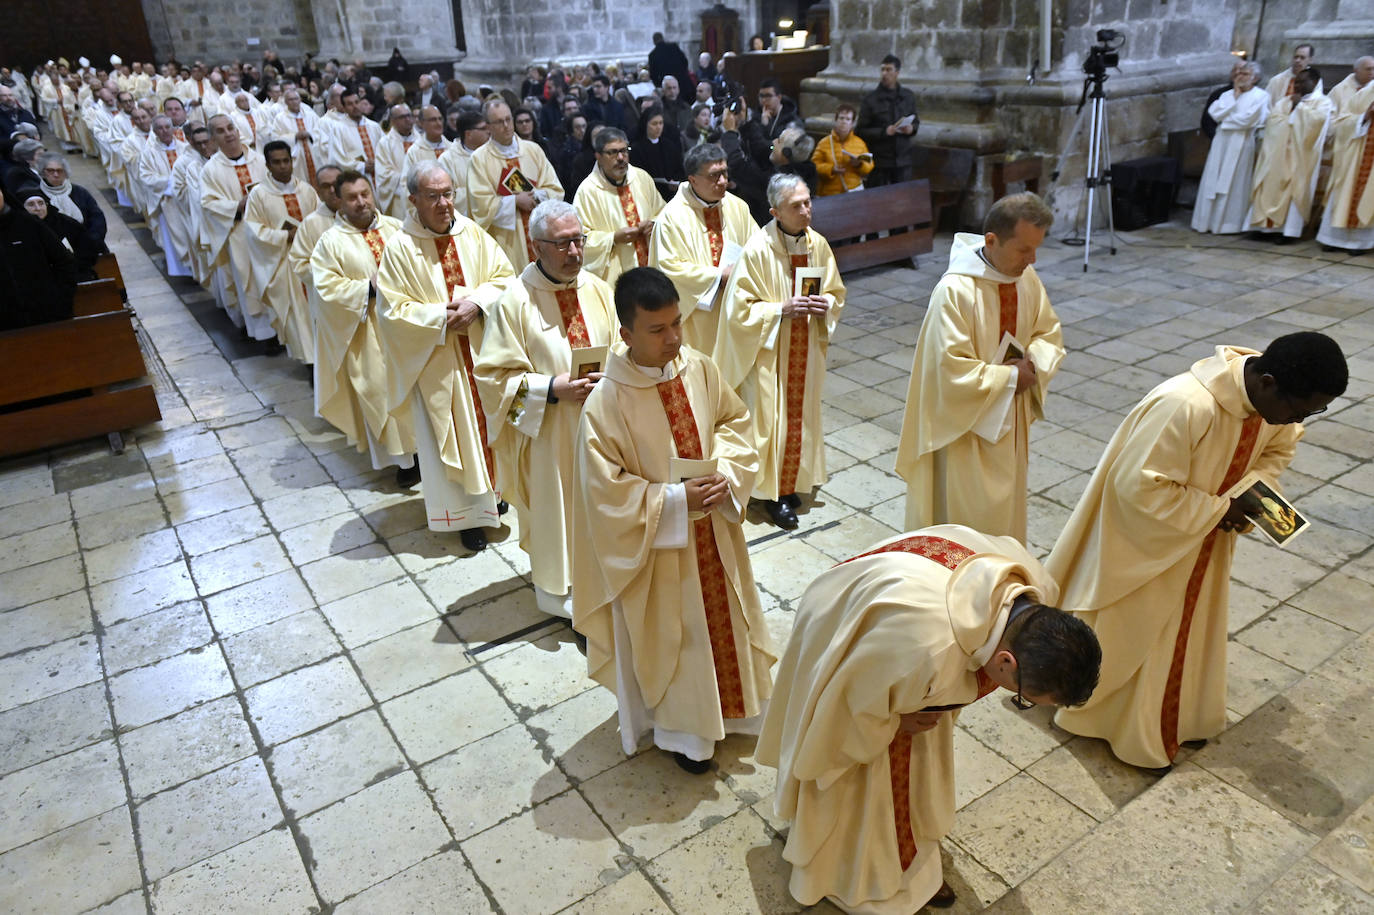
(218, 32)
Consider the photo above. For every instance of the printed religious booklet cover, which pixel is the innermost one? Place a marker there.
(1268, 510)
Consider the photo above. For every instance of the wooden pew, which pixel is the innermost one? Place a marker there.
(74, 379)
(844, 220)
(107, 268)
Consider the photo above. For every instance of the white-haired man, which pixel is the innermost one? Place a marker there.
(391, 160)
(155, 166)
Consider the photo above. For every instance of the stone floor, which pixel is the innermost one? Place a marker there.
(237, 673)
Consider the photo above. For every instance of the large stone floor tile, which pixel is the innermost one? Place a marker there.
(319, 768)
(513, 775)
(30, 584)
(1020, 737)
(631, 893)
(264, 874)
(82, 866)
(582, 733)
(60, 792)
(154, 636)
(443, 716)
(53, 620)
(142, 592)
(410, 658)
(439, 885)
(1313, 890)
(1017, 827)
(305, 699)
(376, 612)
(185, 746)
(57, 724)
(148, 693)
(541, 673)
(258, 602)
(272, 649)
(40, 672)
(1349, 848)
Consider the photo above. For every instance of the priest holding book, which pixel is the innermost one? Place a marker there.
(507, 178)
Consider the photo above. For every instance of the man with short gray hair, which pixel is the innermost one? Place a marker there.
(391, 160)
(617, 204)
(527, 373)
(507, 178)
(987, 350)
(153, 172)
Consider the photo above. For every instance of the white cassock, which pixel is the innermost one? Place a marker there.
(455, 161)
(1223, 196)
(312, 228)
(391, 168)
(1289, 162)
(185, 200)
(429, 366)
(224, 182)
(155, 167)
(354, 143)
(124, 169)
(271, 206)
(492, 200)
(306, 155)
(251, 126)
(1348, 219)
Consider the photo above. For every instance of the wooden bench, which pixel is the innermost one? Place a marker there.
(107, 268)
(949, 171)
(74, 379)
(844, 219)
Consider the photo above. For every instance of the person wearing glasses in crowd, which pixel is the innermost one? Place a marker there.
(887, 647)
(438, 278)
(697, 238)
(507, 178)
(1146, 555)
(532, 398)
(617, 204)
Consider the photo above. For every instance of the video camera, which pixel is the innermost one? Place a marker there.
(1104, 54)
(730, 97)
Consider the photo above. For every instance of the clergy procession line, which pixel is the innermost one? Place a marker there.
(630, 374)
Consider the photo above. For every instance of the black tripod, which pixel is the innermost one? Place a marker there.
(1099, 165)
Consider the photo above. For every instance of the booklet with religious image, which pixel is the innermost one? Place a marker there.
(807, 281)
(1268, 510)
(516, 182)
(681, 470)
(729, 255)
(585, 360)
(1009, 350)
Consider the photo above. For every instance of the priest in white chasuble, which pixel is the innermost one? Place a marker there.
(391, 161)
(697, 239)
(354, 139)
(127, 154)
(965, 441)
(778, 314)
(224, 184)
(430, 146)
(662, 586)
(253, 125)
(507, 178)
(350, 370)
(1290, 159)
(439, 277)
(532, 400)
(1348, 220)
(617, 204)
(472, 135)
(1223, 196)
(276, 208)
(887, 647)
(308, 233)
(1145, 558)
(155, 166)
(298, 125)
(185, 200)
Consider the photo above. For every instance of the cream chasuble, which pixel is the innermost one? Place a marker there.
(605, 208)
(224, 182)
(154, 172)
(130, 152)
(315, 224)
(1141, 562)
(185, 200)
(492, 202)
(455, 161)
(429, 367)
(1289, 160)
(391, 172)
(687, 244)
(965, 435)
(350, 370)
(903, 627)
(1277, 87)
(354, 143)
(307, 155)
(527, 341)
(667, 603)
(777, 364)
(270, 206)
(1348, 220)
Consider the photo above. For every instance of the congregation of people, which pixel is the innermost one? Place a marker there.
(606, 308)
(1264, 172)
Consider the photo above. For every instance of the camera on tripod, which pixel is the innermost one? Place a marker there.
(1104, 54)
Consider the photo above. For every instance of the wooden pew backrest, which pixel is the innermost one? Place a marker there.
(895, 206)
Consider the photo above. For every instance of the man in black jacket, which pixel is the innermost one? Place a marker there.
(667, 59)
(37, 274)
(883, 126)
(12, 114)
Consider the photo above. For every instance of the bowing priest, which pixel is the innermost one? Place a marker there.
(1145, 558)
(617, 204)
(391, 161)
(300, 126)
(533, 401)
(472, 133)
(1290, 160)
(965, 440)
(887, 647)
(779, 312)
(696, 240)
(507, 178)
(276, 208)
(438, 278)
(350, 373)
(1348, 220)
(155, 165)
(662, 586)
(225, 181)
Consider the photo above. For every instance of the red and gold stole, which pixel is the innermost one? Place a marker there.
(1168, 716)
(293, 206)
(1352, 221)
(453, 278)
(715, 232)
(179, 134)
(375, 244)
(407, 144)
(798, 347)
(251, 126)
(523, 221)
(305, 150)
(171, 158)
(631, 211)
(1006, 299)
(245, 178)
(710, 569)
(367, 144)
(573, 322)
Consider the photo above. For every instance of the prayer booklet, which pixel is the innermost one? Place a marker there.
(1274, 515)
(585, 360)
(906, 121)
(683, 469)
(1009, 350)
(807, 281)
(516, 182)
(729, 255)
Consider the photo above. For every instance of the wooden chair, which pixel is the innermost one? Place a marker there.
(845, 219)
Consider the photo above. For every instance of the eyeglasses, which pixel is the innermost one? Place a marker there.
(715, 177)
(1303, 415)
(616, 153)
(435, 197)
(1019, 701)
(564, 245)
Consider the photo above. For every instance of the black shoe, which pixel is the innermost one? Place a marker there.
(273, 348)
(474, 538)
(694, 766)
(1331, 249)
(1195, 744)
(793, 500)
(1286, 240)
(502, 507)
(781, 514)
(944, 897)
(581, 641)
(407, 477)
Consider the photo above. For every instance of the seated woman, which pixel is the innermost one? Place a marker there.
(68, 231)
(72, 200)
(658, 151)
(842, 159)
